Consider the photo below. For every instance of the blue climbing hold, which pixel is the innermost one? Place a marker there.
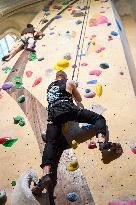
(92, 82)
(87, 90)
(81, 55)
(78, 22)
(118, 24)
(104, 65)
(87, 126)
(114, 33)
(72, 196)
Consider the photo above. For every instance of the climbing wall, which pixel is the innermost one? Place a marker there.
(97, 57)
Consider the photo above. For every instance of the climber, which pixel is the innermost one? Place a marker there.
(28, 37)
(61, 109)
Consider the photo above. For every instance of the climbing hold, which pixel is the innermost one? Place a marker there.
(51, 33)
(3, 139)
(7, 85)
(37, 81)
(87, 126)
(74, 144)
(64, 3)
(87, 90)
(133, 148)
(32, 56)
(17, 78)
(72, 166)
(29, 73)
(99, 90)
(113, 33)
(21, 99)
(95, 72)
(17, 119)
(104, 65)
(58, 17)
(129, 202)
(3, 196)
(46, 8)
(18, 84)
(21, 123)
(97, 20)
(6, 69)
(48, 72)
(92, 145)
(121, 73)
(92, 82)
(67, 56)
(10, 142)
(44, 21)
(72, 196)
(82, 54)
(57, 7)
(78, 22)
(109, 24)
(110, 38)
(84, 64)
(62, 64)
(13, 183)
(90, 95)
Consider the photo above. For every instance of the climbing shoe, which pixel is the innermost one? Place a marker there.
(105, 145)
(5, 57)
(43, 183)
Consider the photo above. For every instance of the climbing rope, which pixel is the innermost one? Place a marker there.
(85, 20)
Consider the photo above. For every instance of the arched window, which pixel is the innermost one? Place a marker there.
(6, 43)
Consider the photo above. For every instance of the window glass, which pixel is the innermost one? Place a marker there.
(6, 43)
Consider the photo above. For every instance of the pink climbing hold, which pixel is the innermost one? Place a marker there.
(133, 148)
(95, 72)
(131, 202)
(92, 145)
(100, 20)
(37, 81)
(84, 64)
(29, 73)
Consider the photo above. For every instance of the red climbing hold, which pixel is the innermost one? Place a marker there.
(84, 64)
(3, 139)
(29, 73)
(37, 81)
(92, 145)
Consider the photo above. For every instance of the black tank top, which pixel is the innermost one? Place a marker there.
(57, 91)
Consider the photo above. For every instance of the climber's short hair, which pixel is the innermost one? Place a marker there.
(29, 25)
(61, 74)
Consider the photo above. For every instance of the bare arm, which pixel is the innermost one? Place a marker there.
(76, 93)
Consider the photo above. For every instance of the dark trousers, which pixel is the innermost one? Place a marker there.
(55, 141)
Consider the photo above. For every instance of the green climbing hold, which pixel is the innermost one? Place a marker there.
(48, 14)
(10, 142)
(32, 56)
(46, 8)
(64, 3)
(7, 69)
(13, 183)
(17, 78)
(17, 119)
(21, 123)
(18, 84)
(21, 99)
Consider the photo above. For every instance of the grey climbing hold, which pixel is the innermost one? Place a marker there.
(67, 56)
(78, 22)
(41, 58)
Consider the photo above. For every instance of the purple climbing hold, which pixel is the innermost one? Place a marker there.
(92, 82)
(51, 33)
(74, 66)
(7, 85)
(58, 17)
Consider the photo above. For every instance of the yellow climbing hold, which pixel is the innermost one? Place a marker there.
(72, 166)
(74, 144)
(61, 65)
(99, 90)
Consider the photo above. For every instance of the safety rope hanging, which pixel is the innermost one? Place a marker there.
(88, 1)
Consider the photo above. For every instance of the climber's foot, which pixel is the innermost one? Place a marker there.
(31, 49)
(109, 146)
(43, 183)
(43, 135)
(5, 57)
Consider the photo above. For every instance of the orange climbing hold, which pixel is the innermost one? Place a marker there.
(37, 81)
